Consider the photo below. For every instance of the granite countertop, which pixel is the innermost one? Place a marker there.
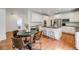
(52, 27)
(71, 26)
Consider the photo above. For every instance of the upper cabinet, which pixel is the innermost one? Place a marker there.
(75, 17)
(72, 16)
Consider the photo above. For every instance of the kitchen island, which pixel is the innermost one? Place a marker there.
(77, 37)
(52, 32)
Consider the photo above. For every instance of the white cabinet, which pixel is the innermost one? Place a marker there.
(77, 37)
(77, 40)
(68, 29)
(58, 33)
(74, 17)
(44, 32)
(55, 33)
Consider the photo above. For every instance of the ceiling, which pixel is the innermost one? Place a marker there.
(43, 11)
(50, 11)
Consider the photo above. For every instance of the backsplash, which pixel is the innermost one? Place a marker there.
(74, 24)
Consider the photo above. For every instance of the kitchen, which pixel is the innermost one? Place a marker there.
(53, 22)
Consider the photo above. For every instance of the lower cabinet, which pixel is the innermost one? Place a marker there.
(68, 29)
(77, 40)
(55, 33)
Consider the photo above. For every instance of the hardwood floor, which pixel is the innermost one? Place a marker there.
(67, 42)
(68, 39)
(6, 44)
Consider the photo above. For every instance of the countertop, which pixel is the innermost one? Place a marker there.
(71, 26)
(52, 27)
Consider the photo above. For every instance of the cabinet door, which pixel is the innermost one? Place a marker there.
(44, 31)
(74, 17)
(58, 33)
(52, 33)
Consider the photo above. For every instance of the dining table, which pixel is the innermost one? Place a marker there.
(26, 36)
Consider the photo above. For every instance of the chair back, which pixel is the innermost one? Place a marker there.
(37, 41)
(15, 33)
(37, 36)
(17, 43)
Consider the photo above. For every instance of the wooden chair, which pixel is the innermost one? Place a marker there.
(37, 41)
(20, 42)
(15, 34)
(37, 36)
(17, 43)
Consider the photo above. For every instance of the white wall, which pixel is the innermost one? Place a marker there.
(11, 23)
(2, 24)
(36, 17)
(29, 17)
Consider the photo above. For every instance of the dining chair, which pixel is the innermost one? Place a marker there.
(37, 41)
(17, 43)
(15, 33)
